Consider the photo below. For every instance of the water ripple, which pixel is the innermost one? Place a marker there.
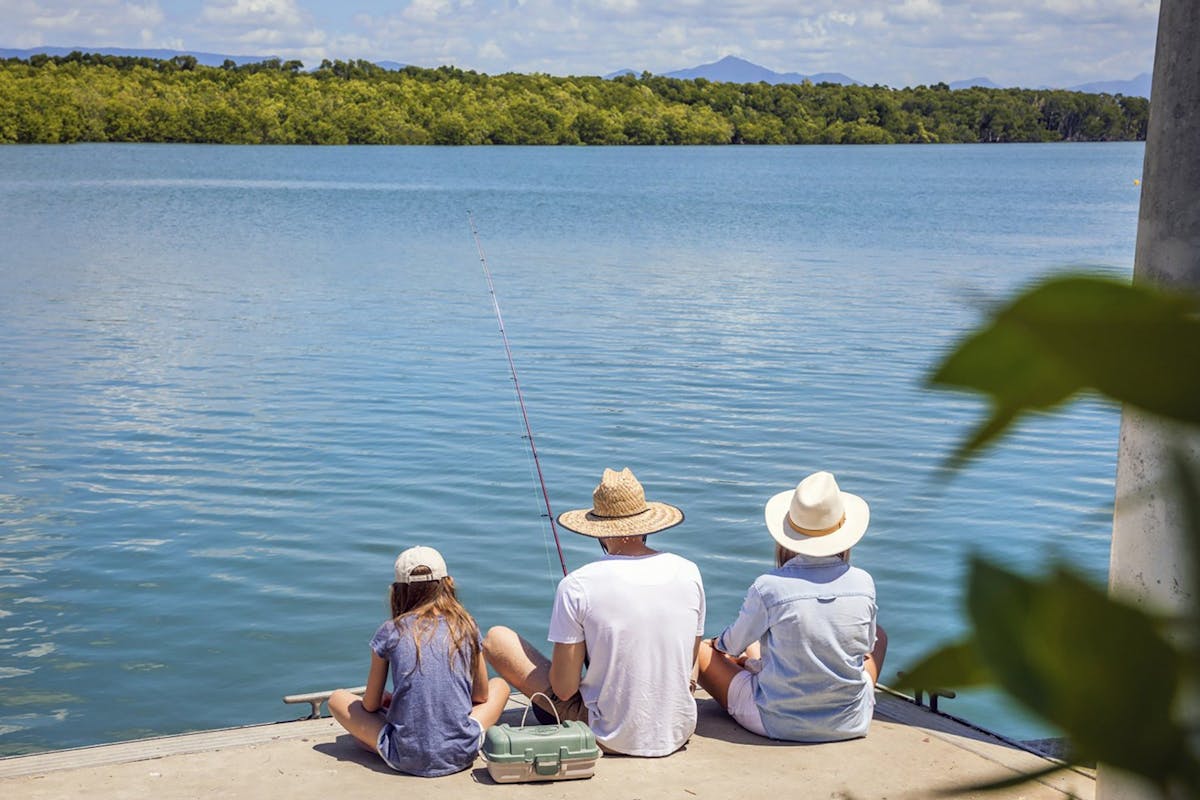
(235, 381)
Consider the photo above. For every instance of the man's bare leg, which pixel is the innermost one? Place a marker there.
(517, 661)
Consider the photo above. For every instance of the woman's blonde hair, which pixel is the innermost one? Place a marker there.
(783, 555)
(418, 607)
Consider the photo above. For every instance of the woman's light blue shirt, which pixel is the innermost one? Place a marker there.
(815, 620)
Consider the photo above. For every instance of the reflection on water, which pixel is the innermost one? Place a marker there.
(234, 382)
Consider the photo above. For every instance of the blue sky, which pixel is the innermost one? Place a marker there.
(895, 42)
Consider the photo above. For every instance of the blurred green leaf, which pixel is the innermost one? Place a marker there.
(1098, 669)
(1076, 333)
(954, 666)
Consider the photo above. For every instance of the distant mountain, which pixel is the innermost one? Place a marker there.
(732, 69)
(969, 83)
(1134, 87)
(1138, 86)
(729, 69)
(208, 59)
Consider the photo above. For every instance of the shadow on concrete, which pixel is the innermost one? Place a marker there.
(347, 749)
(714, 723)
(900, 710)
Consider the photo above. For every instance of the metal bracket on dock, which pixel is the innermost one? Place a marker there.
(315, 699)
(934, 695)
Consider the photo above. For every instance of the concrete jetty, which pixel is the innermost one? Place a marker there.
(911, 752)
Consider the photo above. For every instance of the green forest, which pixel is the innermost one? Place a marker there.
(99, 98)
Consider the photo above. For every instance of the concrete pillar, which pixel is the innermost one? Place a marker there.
(1150, 564)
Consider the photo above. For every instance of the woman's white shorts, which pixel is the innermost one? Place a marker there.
(741, 703)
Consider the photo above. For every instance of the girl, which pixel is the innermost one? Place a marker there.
(801, 661)
(432, 722)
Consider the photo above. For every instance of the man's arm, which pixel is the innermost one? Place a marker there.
(566, 667)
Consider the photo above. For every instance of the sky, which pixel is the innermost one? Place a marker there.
(893, 42)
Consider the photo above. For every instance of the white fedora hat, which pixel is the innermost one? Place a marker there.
(817, 518)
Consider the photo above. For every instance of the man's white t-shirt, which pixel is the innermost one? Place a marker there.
(640, 616)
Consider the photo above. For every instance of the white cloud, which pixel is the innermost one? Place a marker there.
(1030, 42)
(65, 23)
(281, 27)
(50, 21)
(917, 10)
(285, 41)
(428, 10)
(492, 51)
(619, 6)
(259, 12)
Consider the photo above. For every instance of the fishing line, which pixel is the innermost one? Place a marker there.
(512, 368)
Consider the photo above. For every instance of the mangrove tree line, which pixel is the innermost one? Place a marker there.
(99, 98)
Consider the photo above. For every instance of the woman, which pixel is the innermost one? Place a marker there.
(801, 661)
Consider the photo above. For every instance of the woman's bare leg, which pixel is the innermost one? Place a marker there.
(717, 671)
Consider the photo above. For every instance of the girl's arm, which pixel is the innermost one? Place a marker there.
(479, 684)
(376, 680)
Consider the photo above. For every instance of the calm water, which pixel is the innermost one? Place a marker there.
(234, 382)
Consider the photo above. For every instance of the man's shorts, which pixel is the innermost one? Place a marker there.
(572, 708)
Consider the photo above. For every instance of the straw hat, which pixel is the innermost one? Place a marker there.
(817, 518)
(619, 508)
(413, 559)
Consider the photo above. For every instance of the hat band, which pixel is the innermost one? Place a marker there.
(812, 532)
(620, 516)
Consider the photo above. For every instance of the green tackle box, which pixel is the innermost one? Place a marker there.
(516, 753)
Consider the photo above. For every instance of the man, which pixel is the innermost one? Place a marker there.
(635, 617)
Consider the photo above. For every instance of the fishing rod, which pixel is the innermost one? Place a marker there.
(512, 368)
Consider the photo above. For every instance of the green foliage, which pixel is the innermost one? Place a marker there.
(1097, 668)
(1092, 666)
(94, 97)
(1075, 333)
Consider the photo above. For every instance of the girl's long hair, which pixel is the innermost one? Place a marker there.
(417, 609)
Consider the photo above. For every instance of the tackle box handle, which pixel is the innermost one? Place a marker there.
(557, 719)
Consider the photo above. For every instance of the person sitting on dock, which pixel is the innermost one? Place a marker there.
(635, 617)
(432, 724)
(801, 661)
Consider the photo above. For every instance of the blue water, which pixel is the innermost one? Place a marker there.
(234, 382)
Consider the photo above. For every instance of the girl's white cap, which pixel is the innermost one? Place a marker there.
(416, 557)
